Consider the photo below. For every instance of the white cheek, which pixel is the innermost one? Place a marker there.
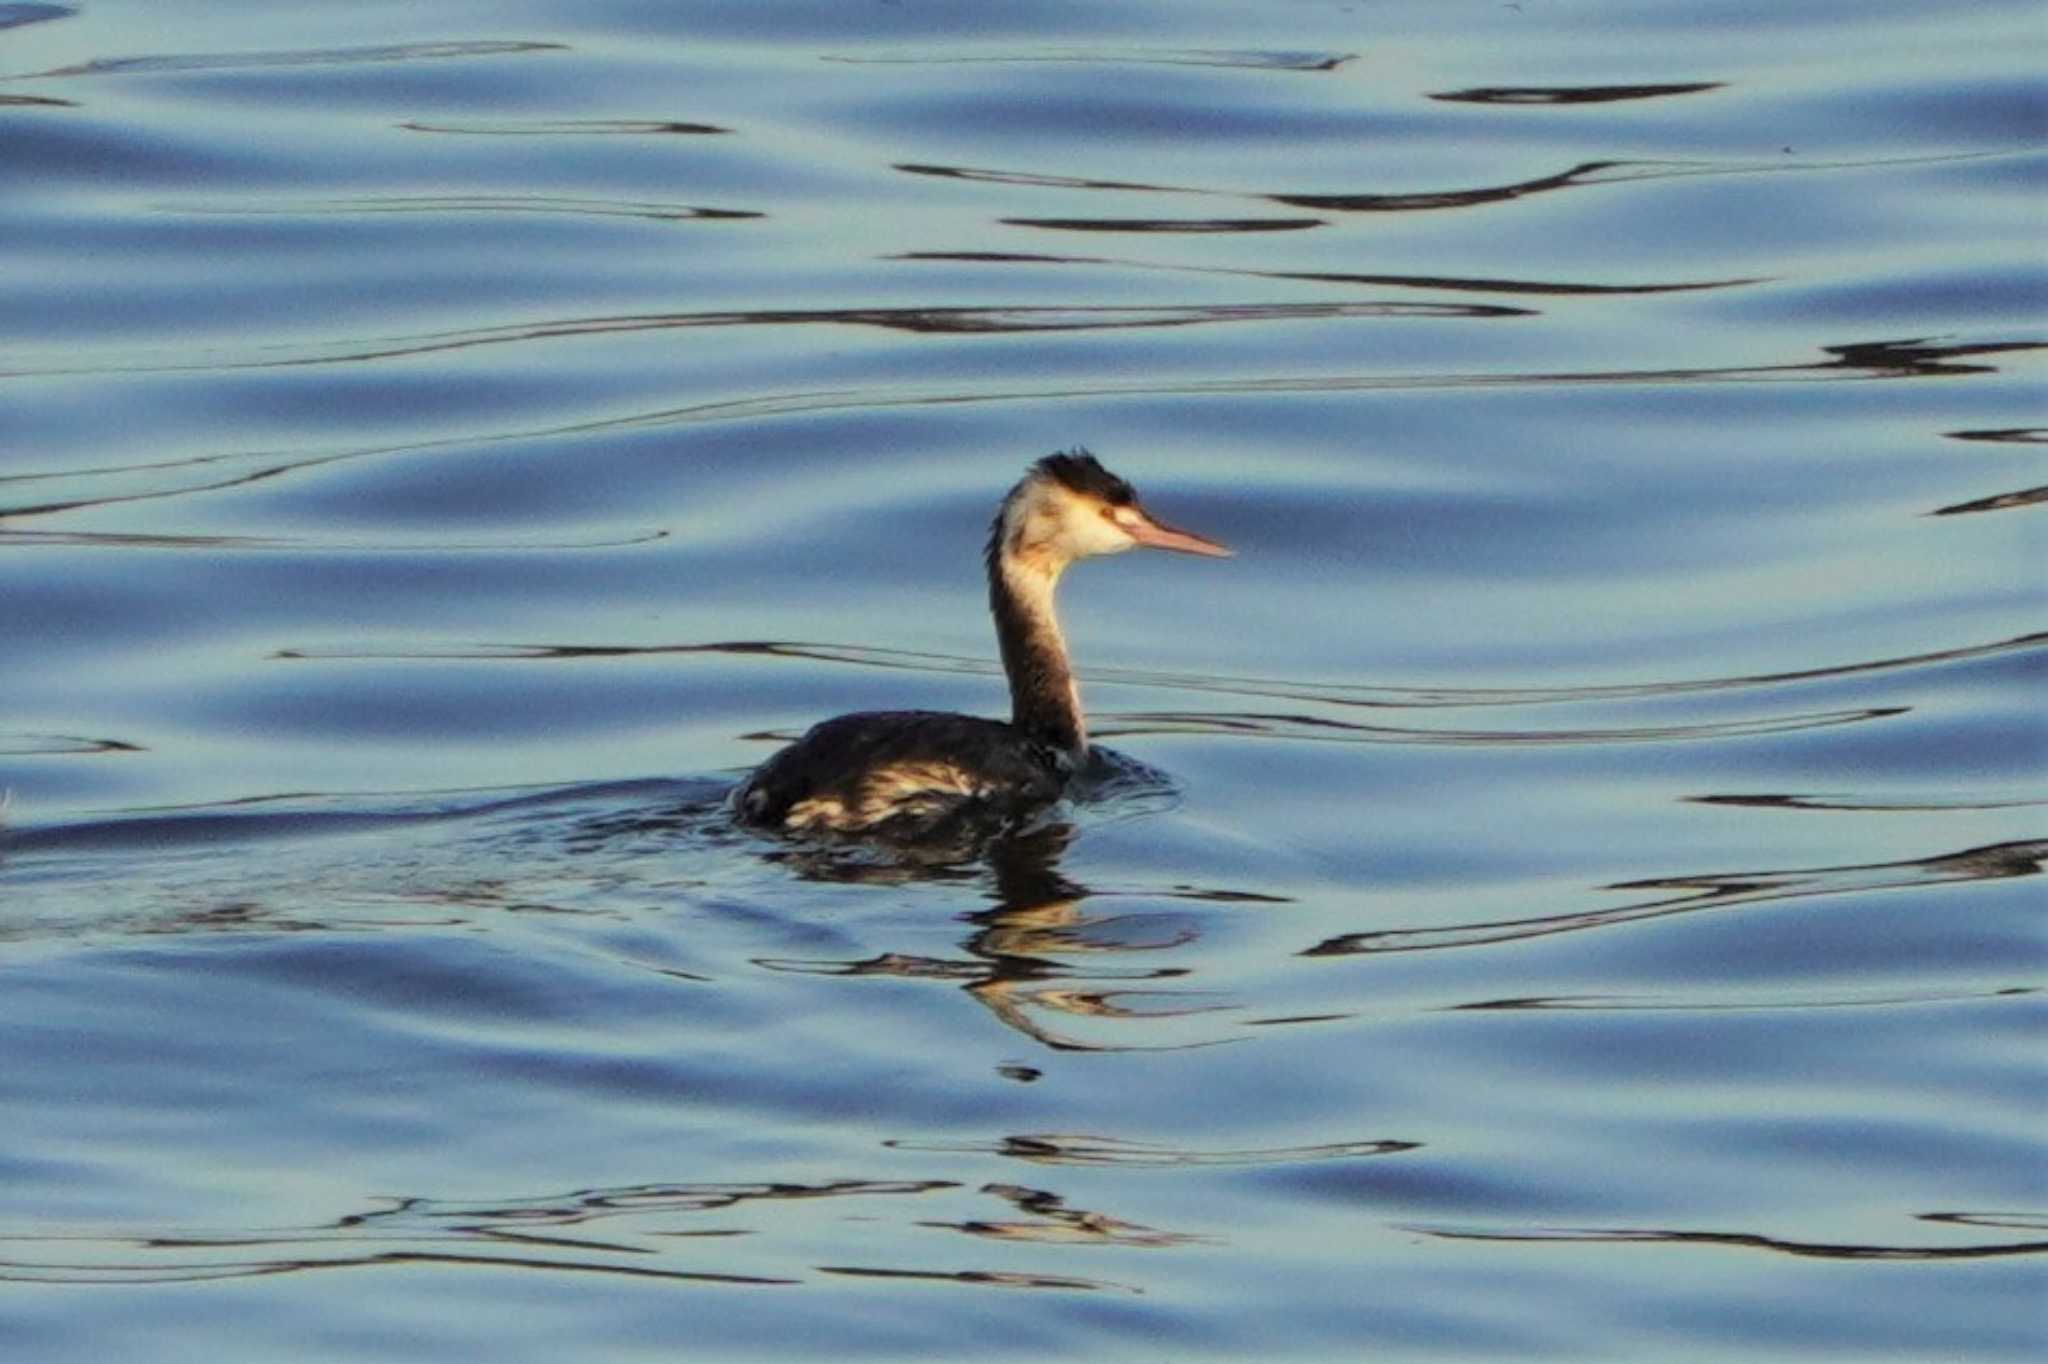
(1101, 536)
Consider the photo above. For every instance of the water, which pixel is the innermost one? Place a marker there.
(1589, 908)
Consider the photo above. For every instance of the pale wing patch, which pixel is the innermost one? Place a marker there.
(819, 812)
(915, 788)
(902, 789)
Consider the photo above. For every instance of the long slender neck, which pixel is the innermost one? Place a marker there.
(1044, 702)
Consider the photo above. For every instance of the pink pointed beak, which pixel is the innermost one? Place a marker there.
(1159, 535)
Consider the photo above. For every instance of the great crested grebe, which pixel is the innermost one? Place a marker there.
(909, 773)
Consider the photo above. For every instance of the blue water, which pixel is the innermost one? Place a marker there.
(1587, 906)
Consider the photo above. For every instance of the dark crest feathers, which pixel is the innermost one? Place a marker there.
(1083, 473)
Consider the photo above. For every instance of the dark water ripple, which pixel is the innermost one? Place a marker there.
(441, 454)
(581, 127)
(1252, 60)
(1572, 94)
(918, 320)
(2025, 497)
(601, 208)
(1713, 891)
(1488, 286)
(1332, 693)
(1587, 173)
(1053, 1149)
(243, 61)
(1167, 224)
(15, 15)
(1749, 1241)
(46, 745)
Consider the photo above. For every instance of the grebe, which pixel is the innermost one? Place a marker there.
(912, 773)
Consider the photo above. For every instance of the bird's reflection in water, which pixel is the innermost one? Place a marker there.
(1016, 961)
(1045, 1217)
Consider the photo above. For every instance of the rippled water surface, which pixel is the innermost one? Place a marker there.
(1587, 903)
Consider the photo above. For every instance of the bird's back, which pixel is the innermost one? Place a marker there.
(901, 772)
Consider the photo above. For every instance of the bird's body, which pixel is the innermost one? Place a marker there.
(911, 773)
(903, 771)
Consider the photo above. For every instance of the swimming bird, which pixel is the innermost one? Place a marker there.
(914, 774)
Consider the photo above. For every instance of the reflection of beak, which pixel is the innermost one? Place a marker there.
(1159, 535)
